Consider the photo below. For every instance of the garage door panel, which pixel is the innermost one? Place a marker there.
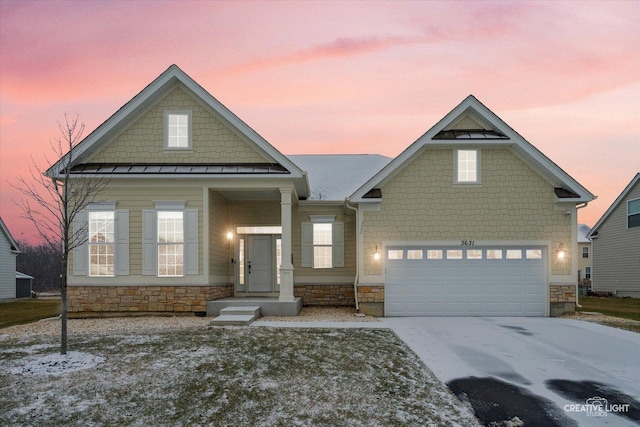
(466, 287)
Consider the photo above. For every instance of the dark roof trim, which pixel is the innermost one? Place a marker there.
(179, 168)
(374, 193)
(470, 134)
(563, 193)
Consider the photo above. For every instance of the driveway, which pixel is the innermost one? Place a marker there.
(541, 370)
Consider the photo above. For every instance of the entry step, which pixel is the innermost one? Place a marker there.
(237, 316)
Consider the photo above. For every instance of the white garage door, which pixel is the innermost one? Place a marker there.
(471, 281)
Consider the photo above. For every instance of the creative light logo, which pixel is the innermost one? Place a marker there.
(597, 407)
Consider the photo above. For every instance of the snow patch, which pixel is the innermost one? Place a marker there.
(57, 364)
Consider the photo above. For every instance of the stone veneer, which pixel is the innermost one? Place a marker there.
(371, 300)
(325, 294)
(143, 299)
(562, 299)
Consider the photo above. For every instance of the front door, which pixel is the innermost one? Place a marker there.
(259, 264)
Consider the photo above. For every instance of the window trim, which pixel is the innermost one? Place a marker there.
(322, 245)
(629, 215)
(181, 243)
(585, 252)
(112, 243)
(456, 165)
(587, 272)
(189, 129)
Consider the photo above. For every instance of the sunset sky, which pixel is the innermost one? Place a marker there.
(335, 77)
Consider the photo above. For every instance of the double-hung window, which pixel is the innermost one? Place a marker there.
(322, 242)
(178, 130)
(633, 213)
(170, 243)
(585, 252)
(101, 243)
(467, 166)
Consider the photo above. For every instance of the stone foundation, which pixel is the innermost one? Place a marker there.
(562, 299)
(371, 300)
(340, 295)
(143, 299)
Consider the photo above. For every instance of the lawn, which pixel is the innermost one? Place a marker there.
(235, 376)
(25, 311)
(627, 308)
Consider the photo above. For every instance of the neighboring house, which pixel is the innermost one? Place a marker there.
(616, 245)
(471, 219)
(584, 255)
(8, 251)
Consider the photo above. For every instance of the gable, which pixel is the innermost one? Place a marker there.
(617, 212)
(212, 140)
(11, 243)
(472, 125)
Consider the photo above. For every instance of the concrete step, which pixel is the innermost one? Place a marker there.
(233, 320)
(233, 310)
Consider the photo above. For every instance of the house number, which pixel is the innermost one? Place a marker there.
(467, 242)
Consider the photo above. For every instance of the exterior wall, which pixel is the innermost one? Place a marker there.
(616, 252)
(562, 299)
(143, 299)
(513, 202)
(136, 196)
(583, 263)
(220, 251)
(323, 294)
(7, 269)
(212, 140)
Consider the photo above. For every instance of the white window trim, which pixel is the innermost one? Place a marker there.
(337, 242)
(112, 243)
(478, 180)
(189, 129)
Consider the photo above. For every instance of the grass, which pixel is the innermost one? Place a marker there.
(249, 376)
(627, 308)
(26, 311)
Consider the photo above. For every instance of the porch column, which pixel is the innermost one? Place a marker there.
(286, 268)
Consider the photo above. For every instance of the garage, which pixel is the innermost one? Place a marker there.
(465, 281)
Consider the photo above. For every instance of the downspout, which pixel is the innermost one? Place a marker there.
(584, 205)
(355, 282)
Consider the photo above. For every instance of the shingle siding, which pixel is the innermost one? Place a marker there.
(616, 252)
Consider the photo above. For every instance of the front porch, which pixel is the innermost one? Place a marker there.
(269, 306)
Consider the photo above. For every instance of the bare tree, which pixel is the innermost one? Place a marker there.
(54, 199)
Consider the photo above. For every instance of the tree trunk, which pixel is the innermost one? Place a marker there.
(63, 294)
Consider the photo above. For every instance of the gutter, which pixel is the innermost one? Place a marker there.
(355, 282)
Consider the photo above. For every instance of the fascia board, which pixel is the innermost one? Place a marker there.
(614, 205)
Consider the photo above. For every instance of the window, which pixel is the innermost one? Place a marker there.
(533, 253)
(101, 243)
(178, 129)
(633, 213)
(454, 253)
(434, 254)
(414, 254)
(395, 254)
(585, 252)
(494, 253)
(170, 244)
(322, 243)
(467, 166)
(241, 261)
(514, 254)
(474, 253)
(587, 272)
(278, 259)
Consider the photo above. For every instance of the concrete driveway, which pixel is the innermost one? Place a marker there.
(545, 371)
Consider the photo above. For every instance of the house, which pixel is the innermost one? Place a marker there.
(616, 245)
(470, 219)
(8, 251)
(584, 255)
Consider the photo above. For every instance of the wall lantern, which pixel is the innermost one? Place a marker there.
(561, 252)
(229, 235)
(376, 255)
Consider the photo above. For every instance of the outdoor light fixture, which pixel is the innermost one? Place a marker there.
(376, 255)
(229, 235)
(561, 251)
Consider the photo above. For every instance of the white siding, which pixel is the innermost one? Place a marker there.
(7, 269)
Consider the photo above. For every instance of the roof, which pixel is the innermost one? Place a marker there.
(336, 176)
(179, 168)
(12, 242)
(494, 133)
(583, 230)
(150, 95)
(22, 276)
(614, 205)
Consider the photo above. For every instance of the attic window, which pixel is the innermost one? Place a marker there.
(470, 134)
(178, 129)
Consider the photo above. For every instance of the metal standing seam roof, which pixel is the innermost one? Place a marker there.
(179, 169)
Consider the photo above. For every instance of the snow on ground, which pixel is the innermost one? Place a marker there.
(56, 364)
